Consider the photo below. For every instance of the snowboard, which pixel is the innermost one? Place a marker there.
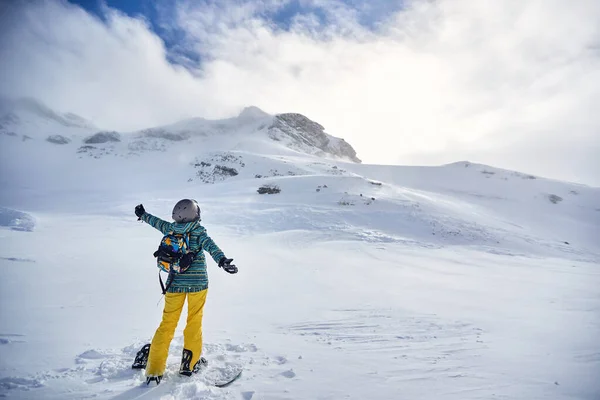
(170, 382)
(227, 382)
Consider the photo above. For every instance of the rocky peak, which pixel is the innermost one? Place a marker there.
(307, 134)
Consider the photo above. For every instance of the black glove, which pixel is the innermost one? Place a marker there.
(139, 211)
(226, 264)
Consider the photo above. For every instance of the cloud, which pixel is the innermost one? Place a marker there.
(511, 83)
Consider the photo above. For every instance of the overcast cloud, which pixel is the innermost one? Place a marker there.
(511, 83)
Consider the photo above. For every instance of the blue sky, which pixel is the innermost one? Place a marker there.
(369, 11)
(161, 15)
(153, 11)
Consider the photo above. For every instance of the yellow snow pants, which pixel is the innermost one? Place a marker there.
(192, 334)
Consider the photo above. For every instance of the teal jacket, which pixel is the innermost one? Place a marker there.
(195, 279)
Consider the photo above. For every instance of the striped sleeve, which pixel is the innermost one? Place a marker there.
(209, 245)
(157, 223)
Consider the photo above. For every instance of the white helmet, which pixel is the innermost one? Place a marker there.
(186, 210)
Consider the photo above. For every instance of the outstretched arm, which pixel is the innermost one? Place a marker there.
(209, 245)
(157, 223)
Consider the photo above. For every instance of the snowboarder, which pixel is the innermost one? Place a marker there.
(193, 285)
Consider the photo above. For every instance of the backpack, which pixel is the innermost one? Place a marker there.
(174, 255)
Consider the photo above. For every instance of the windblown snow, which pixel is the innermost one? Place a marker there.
(461, 281)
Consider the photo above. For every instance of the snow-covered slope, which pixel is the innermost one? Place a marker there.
(460, 281)
(27, 119)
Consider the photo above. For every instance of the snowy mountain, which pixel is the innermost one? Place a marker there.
(462, 281)
(28, 119)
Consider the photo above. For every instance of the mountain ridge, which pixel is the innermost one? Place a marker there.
(30, 119)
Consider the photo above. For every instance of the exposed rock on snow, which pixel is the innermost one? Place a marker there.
(208, 171)
(150, 144)
(554, 198)
(269, 189)
(96, 152)
(103, 137)
(165, 134)
(58, 139)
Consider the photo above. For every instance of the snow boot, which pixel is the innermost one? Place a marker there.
(141, 358)
(186, 359)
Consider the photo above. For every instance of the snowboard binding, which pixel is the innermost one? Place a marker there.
(186, 359)
(156, 379)
(141, 358)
